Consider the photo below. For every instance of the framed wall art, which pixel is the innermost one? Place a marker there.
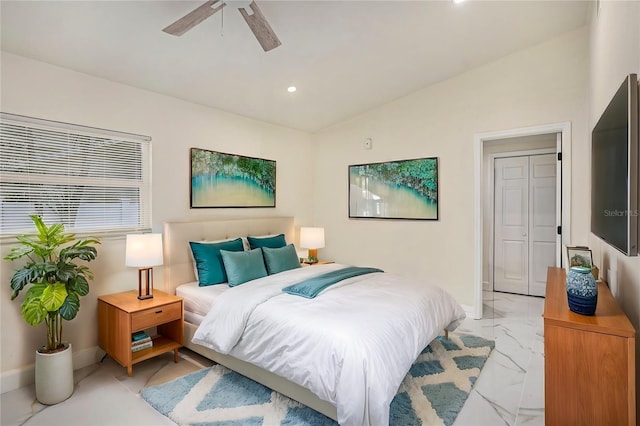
(221, 180)
(405, 189)
(580, 256)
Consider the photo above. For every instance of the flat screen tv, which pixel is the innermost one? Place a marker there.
(614, 170)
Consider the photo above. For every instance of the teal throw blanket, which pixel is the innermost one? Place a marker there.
(311, 287)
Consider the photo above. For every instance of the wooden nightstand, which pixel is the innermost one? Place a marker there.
(121, 314)
(319, 262)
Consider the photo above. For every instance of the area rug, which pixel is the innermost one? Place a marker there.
(432, 393)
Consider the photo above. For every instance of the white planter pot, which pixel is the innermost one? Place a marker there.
(54, 376)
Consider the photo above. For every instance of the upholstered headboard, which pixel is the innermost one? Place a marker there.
(178, 264)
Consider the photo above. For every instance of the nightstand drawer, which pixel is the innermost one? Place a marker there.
(154, 316)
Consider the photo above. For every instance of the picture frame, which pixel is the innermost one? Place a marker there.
(579, 256)
(221, 180)
(402, 189)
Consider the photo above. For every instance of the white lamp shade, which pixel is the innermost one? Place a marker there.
(144, 250)
(311, 238)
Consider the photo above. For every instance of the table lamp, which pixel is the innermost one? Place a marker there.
(144, 251)
(312, 239)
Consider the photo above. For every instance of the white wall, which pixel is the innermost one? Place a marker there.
(541, 85)
(615, 53)
(40, 90)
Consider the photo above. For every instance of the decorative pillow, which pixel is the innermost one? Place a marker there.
(281, 259)
(243, 266)
(275, 241)
(209, 261)
(245, 245)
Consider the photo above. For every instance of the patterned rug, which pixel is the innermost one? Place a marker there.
(432, 393)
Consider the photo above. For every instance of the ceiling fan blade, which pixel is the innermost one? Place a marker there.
(260, 27)
(194, 17)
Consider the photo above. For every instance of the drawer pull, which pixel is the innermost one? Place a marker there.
(159, 312)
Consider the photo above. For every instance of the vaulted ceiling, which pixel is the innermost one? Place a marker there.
(345, 57)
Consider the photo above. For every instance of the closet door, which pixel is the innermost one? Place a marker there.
(542, 220)
(511, 225)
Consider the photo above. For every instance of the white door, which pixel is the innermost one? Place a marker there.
(524, 223)
(542, 220)
(511, 242)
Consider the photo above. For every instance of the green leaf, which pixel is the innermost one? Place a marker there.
(53, 296)
(84, 271)
(56, 231)
(49, 268)
(70, 307)
(79, 285)
(18, 252)
(65, 271)
(81, 250)
(36, 291)
(33, 312)
(39, 223)
(20, 279)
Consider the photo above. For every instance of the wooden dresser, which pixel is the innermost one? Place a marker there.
(590, 361)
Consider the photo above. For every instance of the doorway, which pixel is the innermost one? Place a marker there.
(524, 240)
(482, 144)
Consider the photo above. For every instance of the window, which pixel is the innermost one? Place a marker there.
(92, 180)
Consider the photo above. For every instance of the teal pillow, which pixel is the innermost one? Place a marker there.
(243, 266)
(280, 259)
(209, 261)
(276, 241)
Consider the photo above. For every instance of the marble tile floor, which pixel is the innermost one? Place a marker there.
(509, 390)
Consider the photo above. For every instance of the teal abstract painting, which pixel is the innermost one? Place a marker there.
(228, 180)
(405, 189)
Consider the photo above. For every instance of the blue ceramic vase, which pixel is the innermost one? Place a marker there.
(582, 290)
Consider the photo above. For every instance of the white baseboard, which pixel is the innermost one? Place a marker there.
(24, 376)
(15, 379)
(86, 357)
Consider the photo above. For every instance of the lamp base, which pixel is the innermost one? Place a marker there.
(312, 257)
(145, 283)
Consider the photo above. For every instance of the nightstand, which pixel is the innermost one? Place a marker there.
(121, 314)
(319, 262)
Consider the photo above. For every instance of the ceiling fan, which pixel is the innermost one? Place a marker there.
(247, 8)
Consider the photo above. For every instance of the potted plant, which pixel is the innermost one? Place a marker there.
(56, 284)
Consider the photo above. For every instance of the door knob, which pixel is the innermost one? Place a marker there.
(524, 234)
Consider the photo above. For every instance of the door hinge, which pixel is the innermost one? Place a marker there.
(559, 230)
(559, 156)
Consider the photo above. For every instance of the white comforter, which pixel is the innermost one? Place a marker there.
(352, 345)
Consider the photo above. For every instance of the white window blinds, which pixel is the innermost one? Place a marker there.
(91, 180)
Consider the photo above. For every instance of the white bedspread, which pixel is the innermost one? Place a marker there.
(352, 345)
(199, 300)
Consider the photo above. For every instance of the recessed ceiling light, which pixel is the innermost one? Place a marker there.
(291, 89)
(458, 1)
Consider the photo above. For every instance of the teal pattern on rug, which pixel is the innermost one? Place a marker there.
(235, 390)
(428, 394)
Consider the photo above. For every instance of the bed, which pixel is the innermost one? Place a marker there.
(242, 340)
